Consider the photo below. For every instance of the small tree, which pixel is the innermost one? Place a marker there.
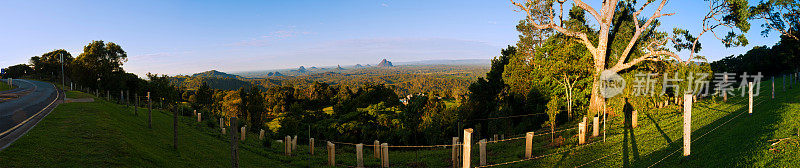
(552, 112)
(204, 96)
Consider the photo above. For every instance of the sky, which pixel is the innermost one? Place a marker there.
(186, 37)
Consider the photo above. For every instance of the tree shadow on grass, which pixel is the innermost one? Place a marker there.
(730, 145)
(658, 127)
(629, 145)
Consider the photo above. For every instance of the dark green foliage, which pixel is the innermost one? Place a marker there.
(204, 97)
(255, 108)
(17, 71)
(161, 90)
(484, 93)
(48, 66)
(781, 58)
(99, 66)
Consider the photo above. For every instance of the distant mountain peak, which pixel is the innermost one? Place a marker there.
(358, 66)
(339, 67)
(385, 63)
(301, 69)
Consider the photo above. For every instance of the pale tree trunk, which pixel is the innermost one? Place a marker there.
(552, 132)
(568, 84)
(596, 101)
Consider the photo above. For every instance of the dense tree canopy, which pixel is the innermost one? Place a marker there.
(99, 64)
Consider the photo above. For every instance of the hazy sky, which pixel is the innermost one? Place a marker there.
(184, 37)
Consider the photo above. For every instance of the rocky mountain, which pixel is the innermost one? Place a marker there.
(385, 63)
(214, 74)
(302, 69)
(339, 67)
(358, 66)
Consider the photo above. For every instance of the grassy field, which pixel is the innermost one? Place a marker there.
(5, 86)
(102, 134)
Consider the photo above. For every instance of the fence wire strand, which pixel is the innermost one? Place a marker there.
(541, 156)
(701, 136)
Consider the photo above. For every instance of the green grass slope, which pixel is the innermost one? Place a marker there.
(5, 86)
(102, 134)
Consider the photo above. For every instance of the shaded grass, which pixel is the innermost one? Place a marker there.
(4, 86)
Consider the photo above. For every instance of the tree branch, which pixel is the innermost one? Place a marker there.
(582, 36)
(639, 30)
(652, 56)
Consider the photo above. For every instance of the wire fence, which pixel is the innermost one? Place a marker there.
(703, 135)
(702, 116)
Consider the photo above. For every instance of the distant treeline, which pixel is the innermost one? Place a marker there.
(98, 68)
(783, 57)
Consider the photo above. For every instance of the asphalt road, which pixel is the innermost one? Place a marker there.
(35, 97)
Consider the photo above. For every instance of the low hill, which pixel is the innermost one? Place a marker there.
(214, 74)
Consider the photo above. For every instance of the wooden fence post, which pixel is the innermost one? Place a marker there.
(149, 112)
(175, 129)
(724, 93)
(635, 118)
(311, 145)
(773, 87)
(494, 137)
(261, 134)
(287, 145)
(585, 125)
(234, 145)
(596, 126)
(581, 133)
(360, 155)
(222, 125)
(482, 148)
(136, 104)
(750, 98)
(467, 148)
(454, 153)
(331, 154)
(376, 148)
(385, 154)
(529, 145)
(199, 117)
(294, 143)
(244, 132)
(687, 124)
